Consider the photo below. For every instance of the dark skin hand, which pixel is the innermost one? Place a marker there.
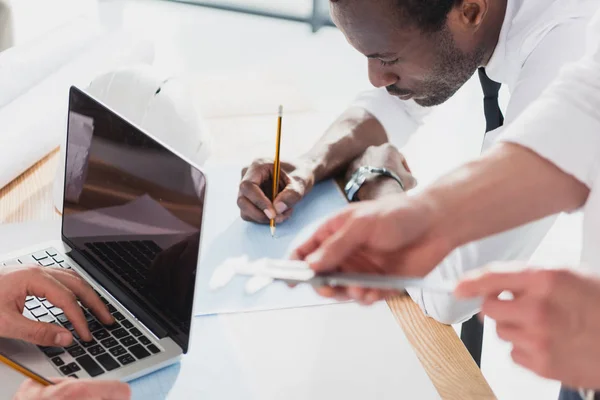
(428, 67)
(330, 156)
(386, 156)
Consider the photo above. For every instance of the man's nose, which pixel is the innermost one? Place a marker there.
(380, 75)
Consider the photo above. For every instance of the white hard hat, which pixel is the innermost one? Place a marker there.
(160, 105)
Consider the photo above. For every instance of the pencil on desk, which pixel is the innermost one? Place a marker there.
(25, 371)
(276, 165)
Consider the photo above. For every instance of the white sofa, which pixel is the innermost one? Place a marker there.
(6, 25)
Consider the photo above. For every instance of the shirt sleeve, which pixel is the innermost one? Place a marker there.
(399, 118)
(563, 126)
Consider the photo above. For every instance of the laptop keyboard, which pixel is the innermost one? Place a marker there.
(112, 347)
(129, 259)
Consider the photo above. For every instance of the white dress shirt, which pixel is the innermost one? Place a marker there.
(563, 126)
(538, 37)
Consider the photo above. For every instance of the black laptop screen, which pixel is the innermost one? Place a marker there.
(132, 212)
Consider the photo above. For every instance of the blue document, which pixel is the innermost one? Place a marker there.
(226, 235)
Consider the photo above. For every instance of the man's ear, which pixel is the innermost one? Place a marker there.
(471, 13)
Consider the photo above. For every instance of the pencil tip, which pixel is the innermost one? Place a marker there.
(272, 231)
(281, 111)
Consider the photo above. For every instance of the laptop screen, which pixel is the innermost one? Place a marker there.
(132, 214)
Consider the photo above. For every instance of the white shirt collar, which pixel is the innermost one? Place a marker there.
(496, 68)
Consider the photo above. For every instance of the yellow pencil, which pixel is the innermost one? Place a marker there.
(276, 165)
(25, 371)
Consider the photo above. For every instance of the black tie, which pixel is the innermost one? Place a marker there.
(472, 331)
(493, 115)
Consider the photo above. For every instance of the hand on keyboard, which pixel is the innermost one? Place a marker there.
(60, 287)
(68, 388)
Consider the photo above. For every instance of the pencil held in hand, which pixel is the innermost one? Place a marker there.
(24, 370)
(276, 165)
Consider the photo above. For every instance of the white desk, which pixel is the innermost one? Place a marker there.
(437, 346)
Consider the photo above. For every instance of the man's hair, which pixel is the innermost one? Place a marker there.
(426, 15)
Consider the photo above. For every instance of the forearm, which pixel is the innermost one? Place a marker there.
(507, 187)
(347, 138)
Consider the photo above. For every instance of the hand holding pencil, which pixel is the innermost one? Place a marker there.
(269, 199)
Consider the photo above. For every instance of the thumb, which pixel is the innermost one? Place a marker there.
(337, 248)
(289, 197)
(41, 333)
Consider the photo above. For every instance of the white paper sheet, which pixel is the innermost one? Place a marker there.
(225, 235)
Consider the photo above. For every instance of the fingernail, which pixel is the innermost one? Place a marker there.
(281, 208)
(63, 339)
(269, 213)
(312, 258)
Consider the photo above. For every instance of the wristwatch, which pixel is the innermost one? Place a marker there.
(360, 176)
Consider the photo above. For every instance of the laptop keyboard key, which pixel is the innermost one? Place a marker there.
(95, 350)
(38, 312)
(153, 349)
(128, 341)
(46, 262)
(126, 359)
(113, 326)
(73, 376)
(53, 351)
(118, 351)
(56, 311)
(74, 367)
(51, 252)
(135, 332)
(94, 326)
(46, 318)
(76, 351)
(32, 304)
(110, 342)
(139, 351)
(144, 340)
(90, 366)
(101, 334)
(118, 316)
(88, 344)
(111, 308)
(62, 319)
(107, 362)
(58, 361)
(120, 333)
(66, 370)
(40, 255)
(127, 324)
(47, 304)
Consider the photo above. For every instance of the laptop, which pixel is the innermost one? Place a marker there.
(131, 227)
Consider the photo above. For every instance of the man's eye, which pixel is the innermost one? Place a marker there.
(388, 63)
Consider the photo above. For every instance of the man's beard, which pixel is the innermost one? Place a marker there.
(452, 70)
